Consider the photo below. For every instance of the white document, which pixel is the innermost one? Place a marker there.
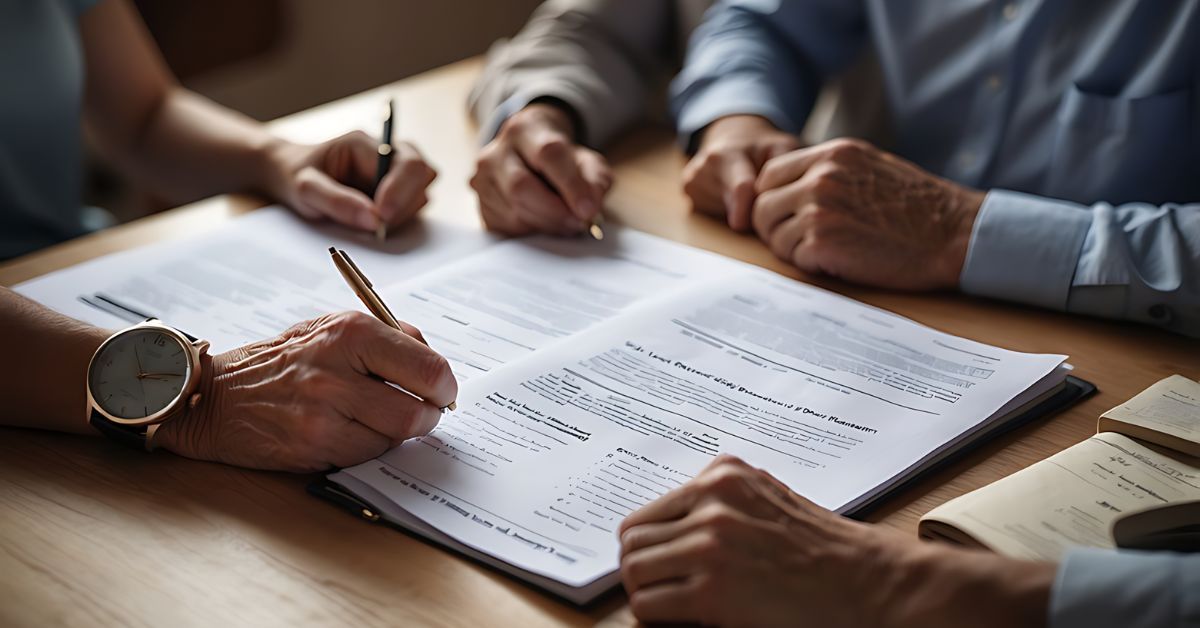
(249, 279)
(546, 456)
(480, 301)
(595, 376)
(519, 296)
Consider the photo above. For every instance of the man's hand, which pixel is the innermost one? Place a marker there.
(332, 181)
(314, 397)
(534, 178)
(720, 177)
(847, 209)
(736, 547)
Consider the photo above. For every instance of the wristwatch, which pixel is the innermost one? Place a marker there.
(141, 377)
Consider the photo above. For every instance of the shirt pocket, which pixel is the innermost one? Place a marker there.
(1119, 149)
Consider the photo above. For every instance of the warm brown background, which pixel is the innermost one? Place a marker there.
(270, 58)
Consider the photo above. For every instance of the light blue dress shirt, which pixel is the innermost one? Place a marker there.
(1097, 588)
(41, 145)
(1081, 118)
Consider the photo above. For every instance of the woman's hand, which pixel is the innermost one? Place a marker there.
(332, 180)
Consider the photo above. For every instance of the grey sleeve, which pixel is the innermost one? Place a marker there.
(600, 57)
(1128, 589)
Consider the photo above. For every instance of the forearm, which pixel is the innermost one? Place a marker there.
(171, 140)
(600, 58)
(749, 59)
(190, 147)
(46, 370)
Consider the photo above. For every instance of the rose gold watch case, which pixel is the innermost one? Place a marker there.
(194, 351)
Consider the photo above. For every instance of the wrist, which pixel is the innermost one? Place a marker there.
(946, 586)
(739, 126)
(965, 204)
(279, 160)
(190, 433)
(552, 114)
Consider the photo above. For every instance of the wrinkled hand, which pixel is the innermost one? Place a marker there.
(847, 209)
(314, 397)
(534, 178)
(736, 547)
(720, 177)
(333, 180)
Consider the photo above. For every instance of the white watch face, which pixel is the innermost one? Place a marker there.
(139, 373)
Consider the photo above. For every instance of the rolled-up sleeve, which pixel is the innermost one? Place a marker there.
(763, 57)
(1128, 589)
(1135, 261)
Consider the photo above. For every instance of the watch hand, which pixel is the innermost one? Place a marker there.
(158, 375)
(137, 357)
(140, 372)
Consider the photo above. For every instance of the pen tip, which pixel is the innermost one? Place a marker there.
(332, 251)
(596, 231)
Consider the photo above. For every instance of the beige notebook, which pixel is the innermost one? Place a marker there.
(1139, 476)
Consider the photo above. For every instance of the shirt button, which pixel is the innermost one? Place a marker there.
(1160, 313)
(1010, 11)
(994, 82)
(966, 159)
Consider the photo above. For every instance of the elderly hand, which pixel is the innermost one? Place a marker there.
(332, 180)
(847, 209)
(736, 547)
(314, 397)
(720, 177)
(533, 177)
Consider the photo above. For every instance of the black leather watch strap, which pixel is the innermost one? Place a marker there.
(133, 436)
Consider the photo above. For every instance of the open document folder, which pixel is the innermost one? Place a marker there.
(596, 376)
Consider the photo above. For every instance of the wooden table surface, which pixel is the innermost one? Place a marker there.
(91, 534)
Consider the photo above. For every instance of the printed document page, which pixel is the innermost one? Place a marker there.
(1167, 412)
(521, 295)
(546, 456)
(480, 301)
(1072, 498)
(249, 279)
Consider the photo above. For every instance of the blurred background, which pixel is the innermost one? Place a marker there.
(269, 58)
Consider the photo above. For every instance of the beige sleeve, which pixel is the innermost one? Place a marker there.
(601, 57)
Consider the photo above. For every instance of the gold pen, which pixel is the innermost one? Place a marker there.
(362, 287)
(595, 229)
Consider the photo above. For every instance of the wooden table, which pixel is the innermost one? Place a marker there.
(91, 534)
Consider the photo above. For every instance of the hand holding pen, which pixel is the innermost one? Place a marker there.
(401, 178)
(347, 181)
(365, 292)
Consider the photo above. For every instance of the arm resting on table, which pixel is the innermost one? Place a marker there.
(1135, 261)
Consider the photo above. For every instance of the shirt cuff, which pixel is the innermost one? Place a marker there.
(1025, 248)
(731, 95)
(1097, 587)
(522, 98)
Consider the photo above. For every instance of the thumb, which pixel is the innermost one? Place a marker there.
(737, 181)
(322, 196)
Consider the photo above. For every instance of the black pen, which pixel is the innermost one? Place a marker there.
(384, 163)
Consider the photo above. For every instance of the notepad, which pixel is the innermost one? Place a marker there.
(596, 376)
(1134, 484)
